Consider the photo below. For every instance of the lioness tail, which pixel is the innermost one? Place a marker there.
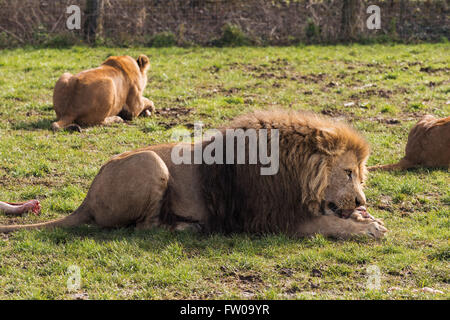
(401, 165)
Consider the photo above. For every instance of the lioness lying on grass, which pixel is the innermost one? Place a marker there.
(98, 96)
(428, 146)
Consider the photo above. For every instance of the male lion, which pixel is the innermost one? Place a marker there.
(318, 184)
(98, 96)
(428, 146)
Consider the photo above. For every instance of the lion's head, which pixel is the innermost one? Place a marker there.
(321, 171)
(344, 192)
(136, 70)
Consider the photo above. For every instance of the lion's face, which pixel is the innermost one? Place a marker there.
(344, 192)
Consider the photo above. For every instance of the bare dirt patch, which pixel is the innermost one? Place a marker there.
(175, 112)
(391, 121)
(373, 92)
(279, 69)
(174, 116)
(434, 70)
(337, 114)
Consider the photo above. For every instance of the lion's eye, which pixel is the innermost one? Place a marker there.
(349, 173)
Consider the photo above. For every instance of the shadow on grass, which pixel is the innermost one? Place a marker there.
(41, 124)
(418, 169)
(158, 239)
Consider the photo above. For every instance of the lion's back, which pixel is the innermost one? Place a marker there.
(429, 142)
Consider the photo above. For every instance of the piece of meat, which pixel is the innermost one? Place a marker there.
(363, 212)
(18, 209)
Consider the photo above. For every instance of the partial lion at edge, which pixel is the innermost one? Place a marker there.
(428, 146)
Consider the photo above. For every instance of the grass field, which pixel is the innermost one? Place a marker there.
(382, 90)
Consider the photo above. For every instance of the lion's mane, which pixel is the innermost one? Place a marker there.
(240, 199)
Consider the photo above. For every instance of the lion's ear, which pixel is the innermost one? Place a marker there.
(143, 62)
(325, 140)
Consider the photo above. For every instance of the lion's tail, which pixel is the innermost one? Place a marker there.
(78, 217)
(401, 165)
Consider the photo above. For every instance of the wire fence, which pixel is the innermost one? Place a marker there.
(186, 22)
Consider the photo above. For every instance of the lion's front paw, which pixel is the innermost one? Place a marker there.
(146, 113)
(375, 230)
(361, 215)
(149, 108)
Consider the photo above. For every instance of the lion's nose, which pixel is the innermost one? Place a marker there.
(360, 201)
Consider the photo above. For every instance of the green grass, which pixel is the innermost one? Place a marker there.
(389, 93)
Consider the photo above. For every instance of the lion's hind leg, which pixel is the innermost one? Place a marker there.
(336, 227)
(112, 120)
(67, 124)
(129, 190)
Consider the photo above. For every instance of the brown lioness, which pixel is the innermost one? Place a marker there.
(97, 96)
(318, 182)
(428, 146)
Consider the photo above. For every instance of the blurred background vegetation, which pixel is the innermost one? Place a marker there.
(158, 23)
